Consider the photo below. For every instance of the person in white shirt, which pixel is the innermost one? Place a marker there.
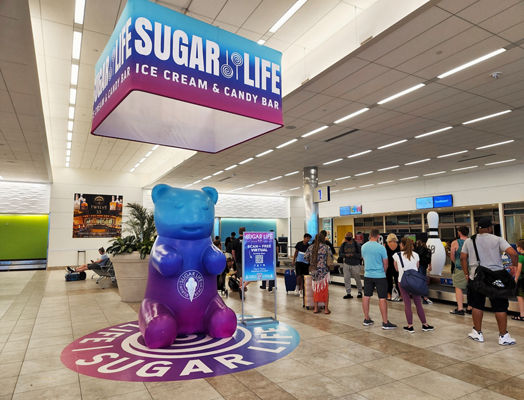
(404, 260)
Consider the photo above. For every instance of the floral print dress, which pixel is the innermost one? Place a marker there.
(321, 274)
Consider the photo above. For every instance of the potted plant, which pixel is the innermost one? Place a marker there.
(130, 254)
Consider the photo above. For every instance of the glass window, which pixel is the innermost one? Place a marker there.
(377, 221)
(415, 219)
(462, 217)
(403, 219)
(391, 220)
(359, 221)
(514, 228)
(446, 218)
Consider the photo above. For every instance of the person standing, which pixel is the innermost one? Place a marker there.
(391, 274)
(228, 243)
(317, 255)
(350, 253)
(459, 279)
(519, 279)
(424, 263)
(300, 264)
(489, 248)
(236, 251)
(375, 267)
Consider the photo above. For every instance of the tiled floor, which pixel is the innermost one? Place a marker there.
(337, 357)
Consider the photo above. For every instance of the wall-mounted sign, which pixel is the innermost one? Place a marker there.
(350, 210)
(97, 215)
(424, 202)
(445, 200)
(259, 256)
(170, 79)
(321, 194)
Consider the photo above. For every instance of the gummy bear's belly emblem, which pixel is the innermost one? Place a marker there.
(190, 285)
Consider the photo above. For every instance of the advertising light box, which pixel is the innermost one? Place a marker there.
(350, 210)
(170, 79)
(424, 202)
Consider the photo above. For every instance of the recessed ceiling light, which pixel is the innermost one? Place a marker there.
(70, 125)
(288, 14)
(206, 177)
(69, 136)
(360, 154)
(315, 131)
(261, 41)
(149, 153)
(321, 183)
(218, 173)
(137, 165)
(195, 182)
(342, 178)
(234, 190)
(368, 185)
(447, 128)
(418, 161)
(295, 188)
(132, 170)
(230, 167)
(486, 117)
(261, 182)
(68, 158)
(349, 188)
(334, 191)
(246, 160)
(264, 153)
(77, 44)
(68, 145)
(71, 113)
(361, 111)
(392, 144)
(501, 162)
(409, 177)
(332, 161)
(364, 173)
(383, 183)
(495, 144)
(79, 11)
(74, 74)
(275, 178)
(399, 94)
(156, 146)
(464, 168)
(388, 168)
(471, 63)
(72, 96)
(291, 173)
(67, 165)
(142, 160)
(435, 173)
(248, 186)
(452, 154)
(287, 143)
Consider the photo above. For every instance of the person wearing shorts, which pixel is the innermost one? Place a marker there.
(375, 267)
(301, 267)
(460, 283)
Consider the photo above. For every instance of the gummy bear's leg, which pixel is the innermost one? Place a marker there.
(221, 321)
(157, 324)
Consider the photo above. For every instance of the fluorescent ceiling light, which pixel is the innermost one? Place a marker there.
(362, 110)
(155, 147)
(288, 14)
(409, 177)
(218, 172)
(195, 182)
(248, 186)
(77, 44)
(70, 125)
(291, 173)
(383, 183)
(132, 170)
(435, 173)
(68, 153)
(295, 188)
(230, 167)
(137, 165)
(452, 154)
(264, 153)
(275, 178)
(360, 154)
(464, 168)
(261, 41)
(368, 185)
(388, 168)
(142, 160)
(206, 177)
(246, 160)
(79, 11)
(69, 136)
(342, 178)
(71, 112)
(418, 161)
(500, 162)
(287, 143)
(392, 144)
(261, 182)
(315, 131)
(495, 144)
(364, 173)
(349, 188)
(74, 74)
(333, 161)
(149, 153)
(486, 117)
(72, 96)
(234, 190)
(471, 63)
(321, 183)
(67, 165)
(68, 158)
(68, 145)
(399, 94)
(334, 191)
(447, 128)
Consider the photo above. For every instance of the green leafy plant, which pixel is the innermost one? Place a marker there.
(141, 226)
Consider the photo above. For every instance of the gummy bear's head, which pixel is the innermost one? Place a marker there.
(184, 214)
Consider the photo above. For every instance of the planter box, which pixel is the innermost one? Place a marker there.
(131, 276)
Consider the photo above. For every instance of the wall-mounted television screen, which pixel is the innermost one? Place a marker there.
(424, 202)
(445, 200)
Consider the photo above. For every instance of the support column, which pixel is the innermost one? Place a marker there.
(311, 208)
(502, 222)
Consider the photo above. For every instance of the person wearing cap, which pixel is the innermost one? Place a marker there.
(391, 273)
(350, 253)
(490, 248)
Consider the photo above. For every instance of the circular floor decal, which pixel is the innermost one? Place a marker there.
(119, 353)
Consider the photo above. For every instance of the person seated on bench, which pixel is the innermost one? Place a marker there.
(101, 262)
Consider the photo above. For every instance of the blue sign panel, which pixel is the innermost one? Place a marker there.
(424, 202)
(445, 200)
(259, 256)
(350, 210)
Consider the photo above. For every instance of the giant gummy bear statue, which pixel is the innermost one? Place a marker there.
(181, 295)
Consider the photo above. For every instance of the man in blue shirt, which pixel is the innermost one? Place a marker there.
(375, 266)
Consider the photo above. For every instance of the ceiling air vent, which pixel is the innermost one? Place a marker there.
(341, 135)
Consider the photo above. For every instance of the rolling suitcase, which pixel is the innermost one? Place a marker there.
(307, 299)
(75, 276)
(290, 279)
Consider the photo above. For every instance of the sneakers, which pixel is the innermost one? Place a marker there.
(427, 301)
(69, 269)
(301, 293)
(347, 296)
(427, 328)
(359, 295)
(457, 312)
(478, 336)
(368, 322)
(506, 340)
(388, 325)
(409, 329)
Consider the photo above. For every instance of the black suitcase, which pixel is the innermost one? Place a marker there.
(75, 276)
(290, 279)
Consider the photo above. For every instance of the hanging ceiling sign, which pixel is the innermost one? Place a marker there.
(169, 79)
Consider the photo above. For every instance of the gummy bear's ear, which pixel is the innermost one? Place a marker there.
(158, 191)
(211, 192)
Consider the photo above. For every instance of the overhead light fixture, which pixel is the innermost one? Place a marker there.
(69, 136)
(264, 153)
(230, 167)
(287, 143)
(295, 188)
(383, 183)
(501, 162)
(495, 144)
(68, 158)
(137, 165)
(364, 173)
(399, 94)
(342, 178)
(392, 144)
(261, 41)
(291, 173)
(408, 178)
(149, 153)
(362, 110)
(248, 186)
(156, 146)
(275, 178)
(447, 128)
(142, 160)
(79, 11)
(418, 161)
(71, 113)
(388, 168)
(68, 145)
(234, 190)
(435, 173)
(288, 14)
(332, 161)
(77, 44)
(471, 63)
(206, 177)
(452, 154)
(349, 188)
(360, 154)
(68, 152)
(67, 165)
(261, 182)
(464, 168)
(195, 182)
(74, 74)
(486, 117)
(132, 170)
(72, 96)
(246, 161)
(218, 172)
(321, 183)
(334, 191)
(70, 125)
(368, 185)
(315, 131)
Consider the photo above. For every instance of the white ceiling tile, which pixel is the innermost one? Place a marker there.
(101, 16)
(484, 9)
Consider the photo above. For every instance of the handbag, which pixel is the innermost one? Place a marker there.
(413, 281)
(493, 284)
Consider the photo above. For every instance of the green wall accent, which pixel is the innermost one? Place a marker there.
(23, 237)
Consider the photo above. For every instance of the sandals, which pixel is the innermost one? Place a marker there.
(316, 312)
(327, 312)
(517, 318)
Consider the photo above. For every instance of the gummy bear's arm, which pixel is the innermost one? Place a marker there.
(166, 260)
(213, 260)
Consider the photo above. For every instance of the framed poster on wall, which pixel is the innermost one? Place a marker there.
(97, 215)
